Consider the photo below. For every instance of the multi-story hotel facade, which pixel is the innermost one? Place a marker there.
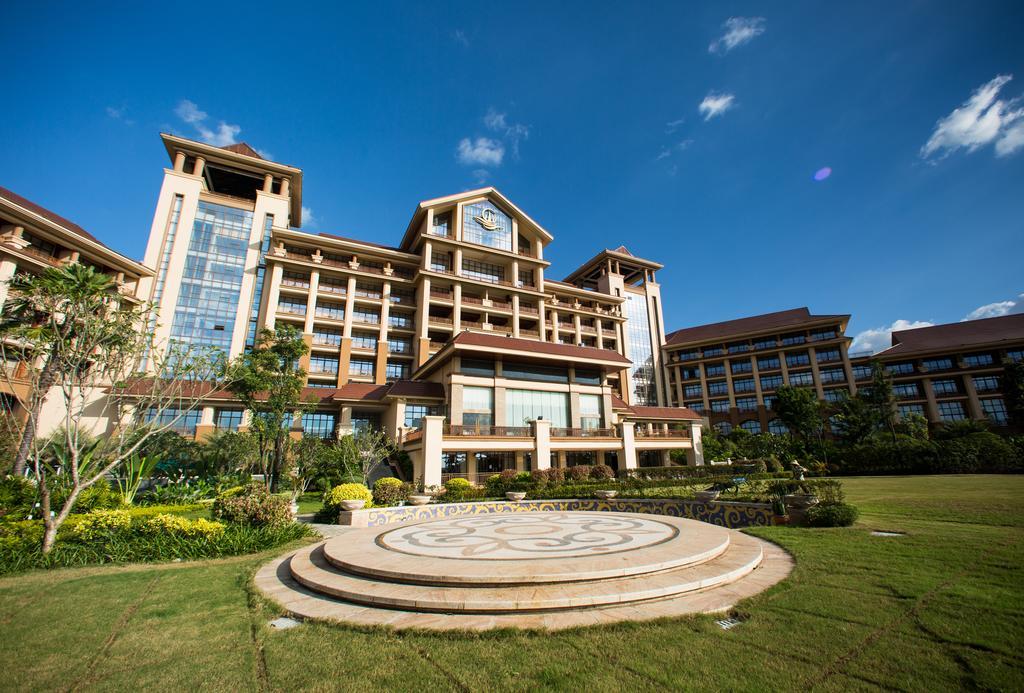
(455, 341)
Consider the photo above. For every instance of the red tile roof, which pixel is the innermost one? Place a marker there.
(242, 148)
(781, 320)
(361, 392)
(416, 388)
(534, 347)
(957, 335)
(53, 217)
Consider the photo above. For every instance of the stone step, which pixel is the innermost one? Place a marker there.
(311, 568)
(420, 554)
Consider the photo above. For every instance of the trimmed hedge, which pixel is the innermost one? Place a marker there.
(974, 453)
(252, 505)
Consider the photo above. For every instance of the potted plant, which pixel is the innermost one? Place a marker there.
(420, 496)
(515, 496)
(606, 494)
(350, 505)
(707, 495)
(777, 492)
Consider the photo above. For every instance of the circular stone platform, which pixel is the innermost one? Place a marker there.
(537, 569)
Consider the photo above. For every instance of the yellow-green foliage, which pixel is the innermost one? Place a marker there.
(101, 523)
(341, 492)
(460, 484)
(181, 526)
(389, 491)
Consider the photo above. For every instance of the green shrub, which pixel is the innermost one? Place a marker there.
(602, 472)
(253, 505)
(831, 515)
(343, 492)
(102, 524)
(458, 489)
(99, 496)
(178, 525)
(389, 491)
(17, 496)
(969, 453)
(578, 473)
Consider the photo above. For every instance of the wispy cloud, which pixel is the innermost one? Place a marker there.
(309, 219)
(715, 105)
(513, 133)
(480, 176)
(738, 30)
(874, 340)
(673, 125)
(459, 36)
(997, 309)
(980, 120)
(220, 136)
(482, 151)
(119, 114)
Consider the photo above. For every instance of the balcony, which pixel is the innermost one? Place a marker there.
(487, 431)
(661, 433)
(583, 433)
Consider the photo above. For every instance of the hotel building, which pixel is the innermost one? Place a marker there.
(455, 341)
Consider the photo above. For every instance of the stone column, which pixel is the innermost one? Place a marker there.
(207, 424)
(542, 444)
(179, 161)
(973, 404)
(815, 372)
(314, 286)
(350, 306)
(695, 456)
(628, 446)
(931, 406)
(433, 436)
(200, 164)
(8, 268)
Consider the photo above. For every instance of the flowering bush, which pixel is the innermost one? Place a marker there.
(389, 491)
(182, 526)
(253, 505)
(602, 472)
(343, 492)
(101, 524)
(578, 473)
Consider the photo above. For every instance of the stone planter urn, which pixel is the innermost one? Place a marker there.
(706, 496)
(419, 499)
(294, 508)
(351, 505)
(516, 496)
(606, 495)
(800, 501)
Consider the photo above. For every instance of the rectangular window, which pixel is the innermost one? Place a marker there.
(769, 363)
(478, 367)
(741, 367)
(689, 373)
(771, 382)
(292, 306)
(228, 419)
(836, 394)
(484, 271)
(801, 378)
(331, 311)
(323, 364)
(494, 462)
(526, 278)
(710, 352)
(688, 355)
(331, 285)
(743, 385)
(820, 335)
(899, 368)
(861, 372)
(746, 403)
(298, 280)
(718, 388)
(791, 339)
(985, 383)
(951, 411)
(696, 406)
(587, 377)
(414, 414)
(693, 391)
(575, 458)
(713, 370)
(547, 374)
(163, 417)
(590, 411)
(765, 343)
(360, 367)
(326, 336)
(945, 387)
(403, 296)
(368, 290)
(442, 226)
(365, 315)
(522, 406)
(318, 424)
(441, 262)
(995, 411)
(833, 375)
(453, 463)
(399, 345)
(738, 348)
(720, 405)
(906, 391)
(941, 364)
(364, 340)
(798, 359)
(978, 360)
(485, 224)
(1016, 356)
(908, 409)
(400, 320)
(769, 401)
(826, 355)
(477, 406)
(396, 370)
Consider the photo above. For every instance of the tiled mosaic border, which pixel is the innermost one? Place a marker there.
(723, 514)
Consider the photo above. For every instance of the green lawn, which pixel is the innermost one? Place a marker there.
(938, 609)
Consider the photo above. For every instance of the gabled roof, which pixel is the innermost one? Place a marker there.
(957, 335)
(768, 322)
(242, 148)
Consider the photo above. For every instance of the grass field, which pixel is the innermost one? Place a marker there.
(940, 608)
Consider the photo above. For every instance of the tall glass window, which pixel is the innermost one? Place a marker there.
(228, 419)
(590, 411)
(257, 292)
(485, 224)
(318, 424)
(525, 405)
(641, 353)
(477, 406)
(212, 281)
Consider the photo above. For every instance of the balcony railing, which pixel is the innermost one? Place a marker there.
(528, 333)
(488, 431)
(582, 433)
(661, 433)
(438, 320)
(526, 310)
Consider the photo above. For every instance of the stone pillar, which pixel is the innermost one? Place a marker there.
(200, 164)
(931, 407)
(285, 184)
(433, 436)
(816, 372)
(628, 446)
(456, 308)
(268, 183)
(695, 456)
(8, 268)
(179, 161)
(350, 306)
(314, 286)
(973, 403)
(207, 424)
(542, 444)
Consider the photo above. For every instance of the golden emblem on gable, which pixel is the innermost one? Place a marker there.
(487, 218)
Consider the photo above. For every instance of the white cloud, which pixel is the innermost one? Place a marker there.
(684, 144)
(979, 121)
(220, 136)
(716, 104)
(663, 154)
(738, 30)
(480, 176)
(119, 114)
(460, 38)
(512, 132)
(673, 125)
(265, 154)
(309, 220)
(994, 310)
(881, 337)
(483, 151)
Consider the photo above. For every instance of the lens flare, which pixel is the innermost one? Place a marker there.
(822, 173)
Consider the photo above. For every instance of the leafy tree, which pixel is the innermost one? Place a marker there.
(803, 414)
(856, 420)
(226, 452)
(366, 451)
(1013, 392)
(913, 426)
(76, 339)
(269, 382)
(880, 398)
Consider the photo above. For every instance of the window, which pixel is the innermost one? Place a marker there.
(364, 340)
(368, 290)
(396, 370)
(765, 343)
(741, 367)
(587, 377)
(414, 414)
(746, 403)
(790, 339)
(400, 320)
(399, 345)
(526, 277)
(297, 279)
(333, 286)
(738, 348)
(163, 417)
(484, 271)
(1017, 355)
(770, 363)
(453, 463)
(291, 305)
(899, 368)
(574, 458)
(826, 355)
(942, 364)
(995, 411)
(327, 336)
(688, 355)
(522, 406)
(945, 387)
(332, 311)
(441, 262)
(905, 390)
(323, 364)
(689, 373)
(366, 315)
(908, 409)
(719, 387)
(836, 394)
(477, 367)
(720, 406)
(321, 385)
(696, 406)
(776, 427)
(693, 391)
(770, 382)
(819, 335)
(861, 372)
(641, 349)
(318, 424)
(985, 383)
(798, 359)
(743, 385)
(832, 375)
(769, 401)
(751, 426)
(546, 374)
(723, 427)
(485, 224)
(365, 421)
(442, 225)
(713, 370)
(477, 406)
(360, 367)
(405, 296)
(590, 411)
(801, 378)
(951, 411)
(978, 360)
(228, 419)
(710, 352)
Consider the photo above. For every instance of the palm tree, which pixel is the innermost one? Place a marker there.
(42, 316)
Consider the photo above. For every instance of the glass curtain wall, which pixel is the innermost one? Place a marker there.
(522, 406)
(638, 333)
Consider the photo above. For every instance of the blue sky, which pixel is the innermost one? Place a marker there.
(690, 132)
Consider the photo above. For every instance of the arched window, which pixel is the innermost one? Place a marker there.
(723, 427)
(751, 426)
(777, 427)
